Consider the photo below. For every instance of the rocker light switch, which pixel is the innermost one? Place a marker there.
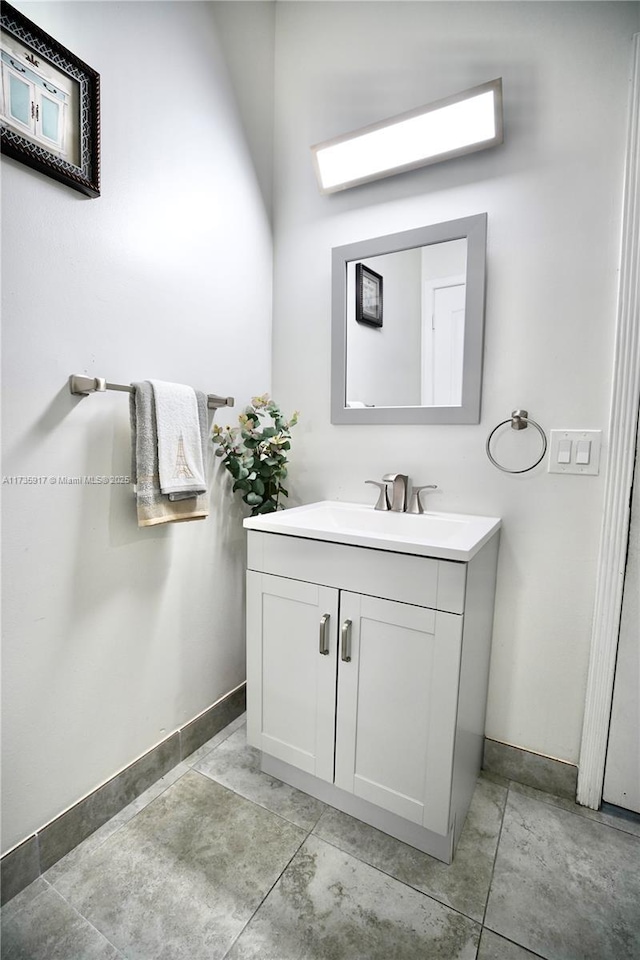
(575, 451)
(564, 451)
(583, 451)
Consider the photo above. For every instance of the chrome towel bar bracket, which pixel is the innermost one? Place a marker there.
(81, 386)
(519, 420)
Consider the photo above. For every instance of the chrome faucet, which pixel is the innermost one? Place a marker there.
(400, 494)
(400, 483)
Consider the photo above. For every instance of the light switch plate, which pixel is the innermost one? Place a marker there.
(558, 442)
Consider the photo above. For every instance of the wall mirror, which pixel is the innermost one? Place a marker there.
(407, 325)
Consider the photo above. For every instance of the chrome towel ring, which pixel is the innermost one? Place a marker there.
(519, 420)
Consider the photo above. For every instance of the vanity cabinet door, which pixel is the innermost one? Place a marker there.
(291, 671)
(397, 703)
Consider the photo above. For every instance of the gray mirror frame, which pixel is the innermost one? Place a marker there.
(474, 230)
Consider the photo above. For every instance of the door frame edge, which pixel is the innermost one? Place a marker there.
(623, 426)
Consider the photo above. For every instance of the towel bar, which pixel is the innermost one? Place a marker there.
(82, 386)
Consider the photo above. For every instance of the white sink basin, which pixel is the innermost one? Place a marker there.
(449, 536)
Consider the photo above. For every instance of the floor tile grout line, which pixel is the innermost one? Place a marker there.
(495, 856)
(558, 806)
(86, 920)
(486, 906)
(213, 749)
(16, 911)
(292, 823)
(404, 883)
(537, 956)
(275, 882)
(208, 754)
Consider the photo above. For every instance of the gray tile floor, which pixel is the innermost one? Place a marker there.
(218, 860)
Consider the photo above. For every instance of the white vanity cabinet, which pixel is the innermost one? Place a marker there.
(366, 679)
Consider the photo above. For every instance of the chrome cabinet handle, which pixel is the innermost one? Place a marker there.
(324, 623)
(345, 635)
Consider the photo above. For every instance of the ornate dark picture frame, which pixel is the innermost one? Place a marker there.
(368, 296)
(63, 111)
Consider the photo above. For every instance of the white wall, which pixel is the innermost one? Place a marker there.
(553, 197)
(115, 636)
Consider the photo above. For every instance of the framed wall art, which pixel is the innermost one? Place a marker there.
(368, 296)
(49, 105)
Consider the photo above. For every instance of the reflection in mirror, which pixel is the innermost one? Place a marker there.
(414, 357)
(407, 328)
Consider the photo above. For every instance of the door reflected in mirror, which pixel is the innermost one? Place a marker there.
(408, 325)
(413, 356)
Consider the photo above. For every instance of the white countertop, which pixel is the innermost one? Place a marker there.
(447, 536)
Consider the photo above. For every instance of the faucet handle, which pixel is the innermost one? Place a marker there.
(383, 499)
(416, 504)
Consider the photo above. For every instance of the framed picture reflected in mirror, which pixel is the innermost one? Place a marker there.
(368, 296)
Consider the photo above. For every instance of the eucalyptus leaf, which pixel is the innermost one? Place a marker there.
(255, 453)
(269, 506)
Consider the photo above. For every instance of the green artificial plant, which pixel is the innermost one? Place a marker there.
(255, 453)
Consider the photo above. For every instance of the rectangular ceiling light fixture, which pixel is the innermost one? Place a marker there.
(463, 123)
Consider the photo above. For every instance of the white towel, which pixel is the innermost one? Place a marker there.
(180, 463)
(152, 506)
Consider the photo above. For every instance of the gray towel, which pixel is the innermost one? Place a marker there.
(152, 506)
